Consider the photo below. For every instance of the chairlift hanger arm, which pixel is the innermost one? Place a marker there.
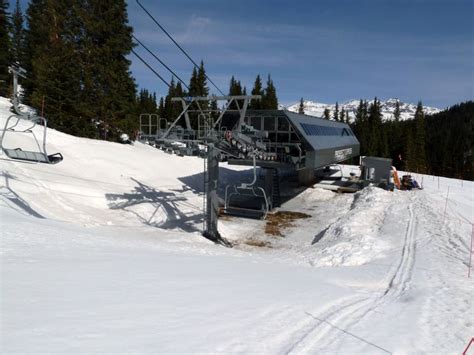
(177, 119)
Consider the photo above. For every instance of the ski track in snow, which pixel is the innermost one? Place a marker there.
(344, 315)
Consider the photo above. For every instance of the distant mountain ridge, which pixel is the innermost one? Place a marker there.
(407, 110)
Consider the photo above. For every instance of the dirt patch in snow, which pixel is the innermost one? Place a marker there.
(258, 243)
(281, 220)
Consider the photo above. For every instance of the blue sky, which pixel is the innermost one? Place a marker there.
(323, 50)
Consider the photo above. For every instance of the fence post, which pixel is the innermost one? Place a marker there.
(470, 251)
(446, 205)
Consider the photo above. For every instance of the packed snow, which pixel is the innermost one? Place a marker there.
(103, 253)
(387, 107)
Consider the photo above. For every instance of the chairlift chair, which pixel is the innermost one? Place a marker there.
(40, 155)
(249, 190)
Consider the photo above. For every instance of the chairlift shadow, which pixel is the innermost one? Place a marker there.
(9, 194)
(227, 176)
(169, 202)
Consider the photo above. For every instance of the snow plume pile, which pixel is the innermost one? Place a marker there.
(354, 239)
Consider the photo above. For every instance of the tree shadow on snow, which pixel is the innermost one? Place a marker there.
(171, 203)
(7, 193)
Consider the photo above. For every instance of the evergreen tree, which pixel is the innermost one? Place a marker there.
(270, 100)
(449, 137)
(235, 89)
(36, 43)
(327, 114)
(347, 117)
(396, 113)
(396, 139)
(410, 156)
(5, 49)
(361, 127)
(203, 89)
(214, 108)
(146, 102)
(421, 166)
(177, 106)
(375, 142)
(193, 84)
(301, 107)
(75, 56)
(17, 34)
(161, 108)
(56, 69)
(342, 116)
(257, 90)
(109, 86)
(168, 104)
(335, 116)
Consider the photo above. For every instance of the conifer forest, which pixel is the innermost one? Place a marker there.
(77, 55)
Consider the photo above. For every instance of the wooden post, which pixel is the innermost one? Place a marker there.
(446, 205)
(470, 251)
(42, 107)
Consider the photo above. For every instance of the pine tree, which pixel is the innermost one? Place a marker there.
(177, 106)
(375, 142)
(75, 54)
(360, 127)
(410, 156)
(146, 102)
(396, 139)
(194, 84)
(161, 108)
(55, 71)
(109, 86)
(327, 114)
(257, 90)
(396, 113)
(36, 43)
(301, 107)
(347, 117)
(203, 89)
(168, 104)
(5, 49)
(342, 116)
(335, 116)
(17, 34)
(421, 166)
(235, 89)
(270, 100)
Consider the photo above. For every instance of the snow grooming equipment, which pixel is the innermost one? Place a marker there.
(249, 190)
(11, 126)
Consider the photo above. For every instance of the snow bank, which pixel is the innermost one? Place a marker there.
(353, 239)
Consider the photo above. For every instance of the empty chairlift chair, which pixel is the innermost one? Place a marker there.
(13, 126)
(250, 191)
(40, 154)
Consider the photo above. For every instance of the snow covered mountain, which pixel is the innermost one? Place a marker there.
(407, 110)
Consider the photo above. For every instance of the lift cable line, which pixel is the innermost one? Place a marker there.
(177, 44)
(160, 61)
(149, 67)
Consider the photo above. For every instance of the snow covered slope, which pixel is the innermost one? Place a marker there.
(103, 253)
(407, 110)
